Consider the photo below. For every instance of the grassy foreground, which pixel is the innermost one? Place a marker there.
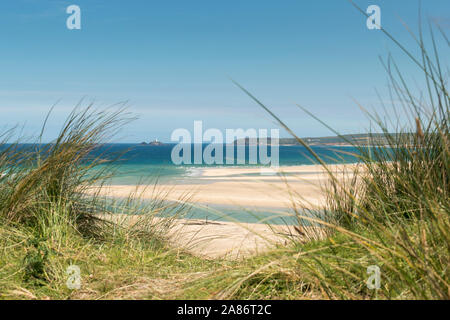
(394, 215)
(47, 225)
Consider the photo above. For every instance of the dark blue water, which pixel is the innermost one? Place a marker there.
(139, 163)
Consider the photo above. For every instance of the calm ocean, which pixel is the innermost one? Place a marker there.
(141, 162)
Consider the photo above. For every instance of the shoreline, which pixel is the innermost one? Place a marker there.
(233, 187)
(249, 187)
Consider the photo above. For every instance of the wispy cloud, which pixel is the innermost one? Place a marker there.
(443, 22)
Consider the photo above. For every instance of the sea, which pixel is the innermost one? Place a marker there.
(136, 163)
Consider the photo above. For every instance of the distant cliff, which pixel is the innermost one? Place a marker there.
(348, 139)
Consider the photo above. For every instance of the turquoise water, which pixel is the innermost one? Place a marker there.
(142, 164)
(216, 213)
(270, 215)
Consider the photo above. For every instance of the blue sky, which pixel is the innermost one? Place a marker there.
(171, 60)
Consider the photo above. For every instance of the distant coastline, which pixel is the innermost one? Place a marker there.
(348, 140)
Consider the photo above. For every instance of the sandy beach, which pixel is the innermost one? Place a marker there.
(244, 187)
(247, 188)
